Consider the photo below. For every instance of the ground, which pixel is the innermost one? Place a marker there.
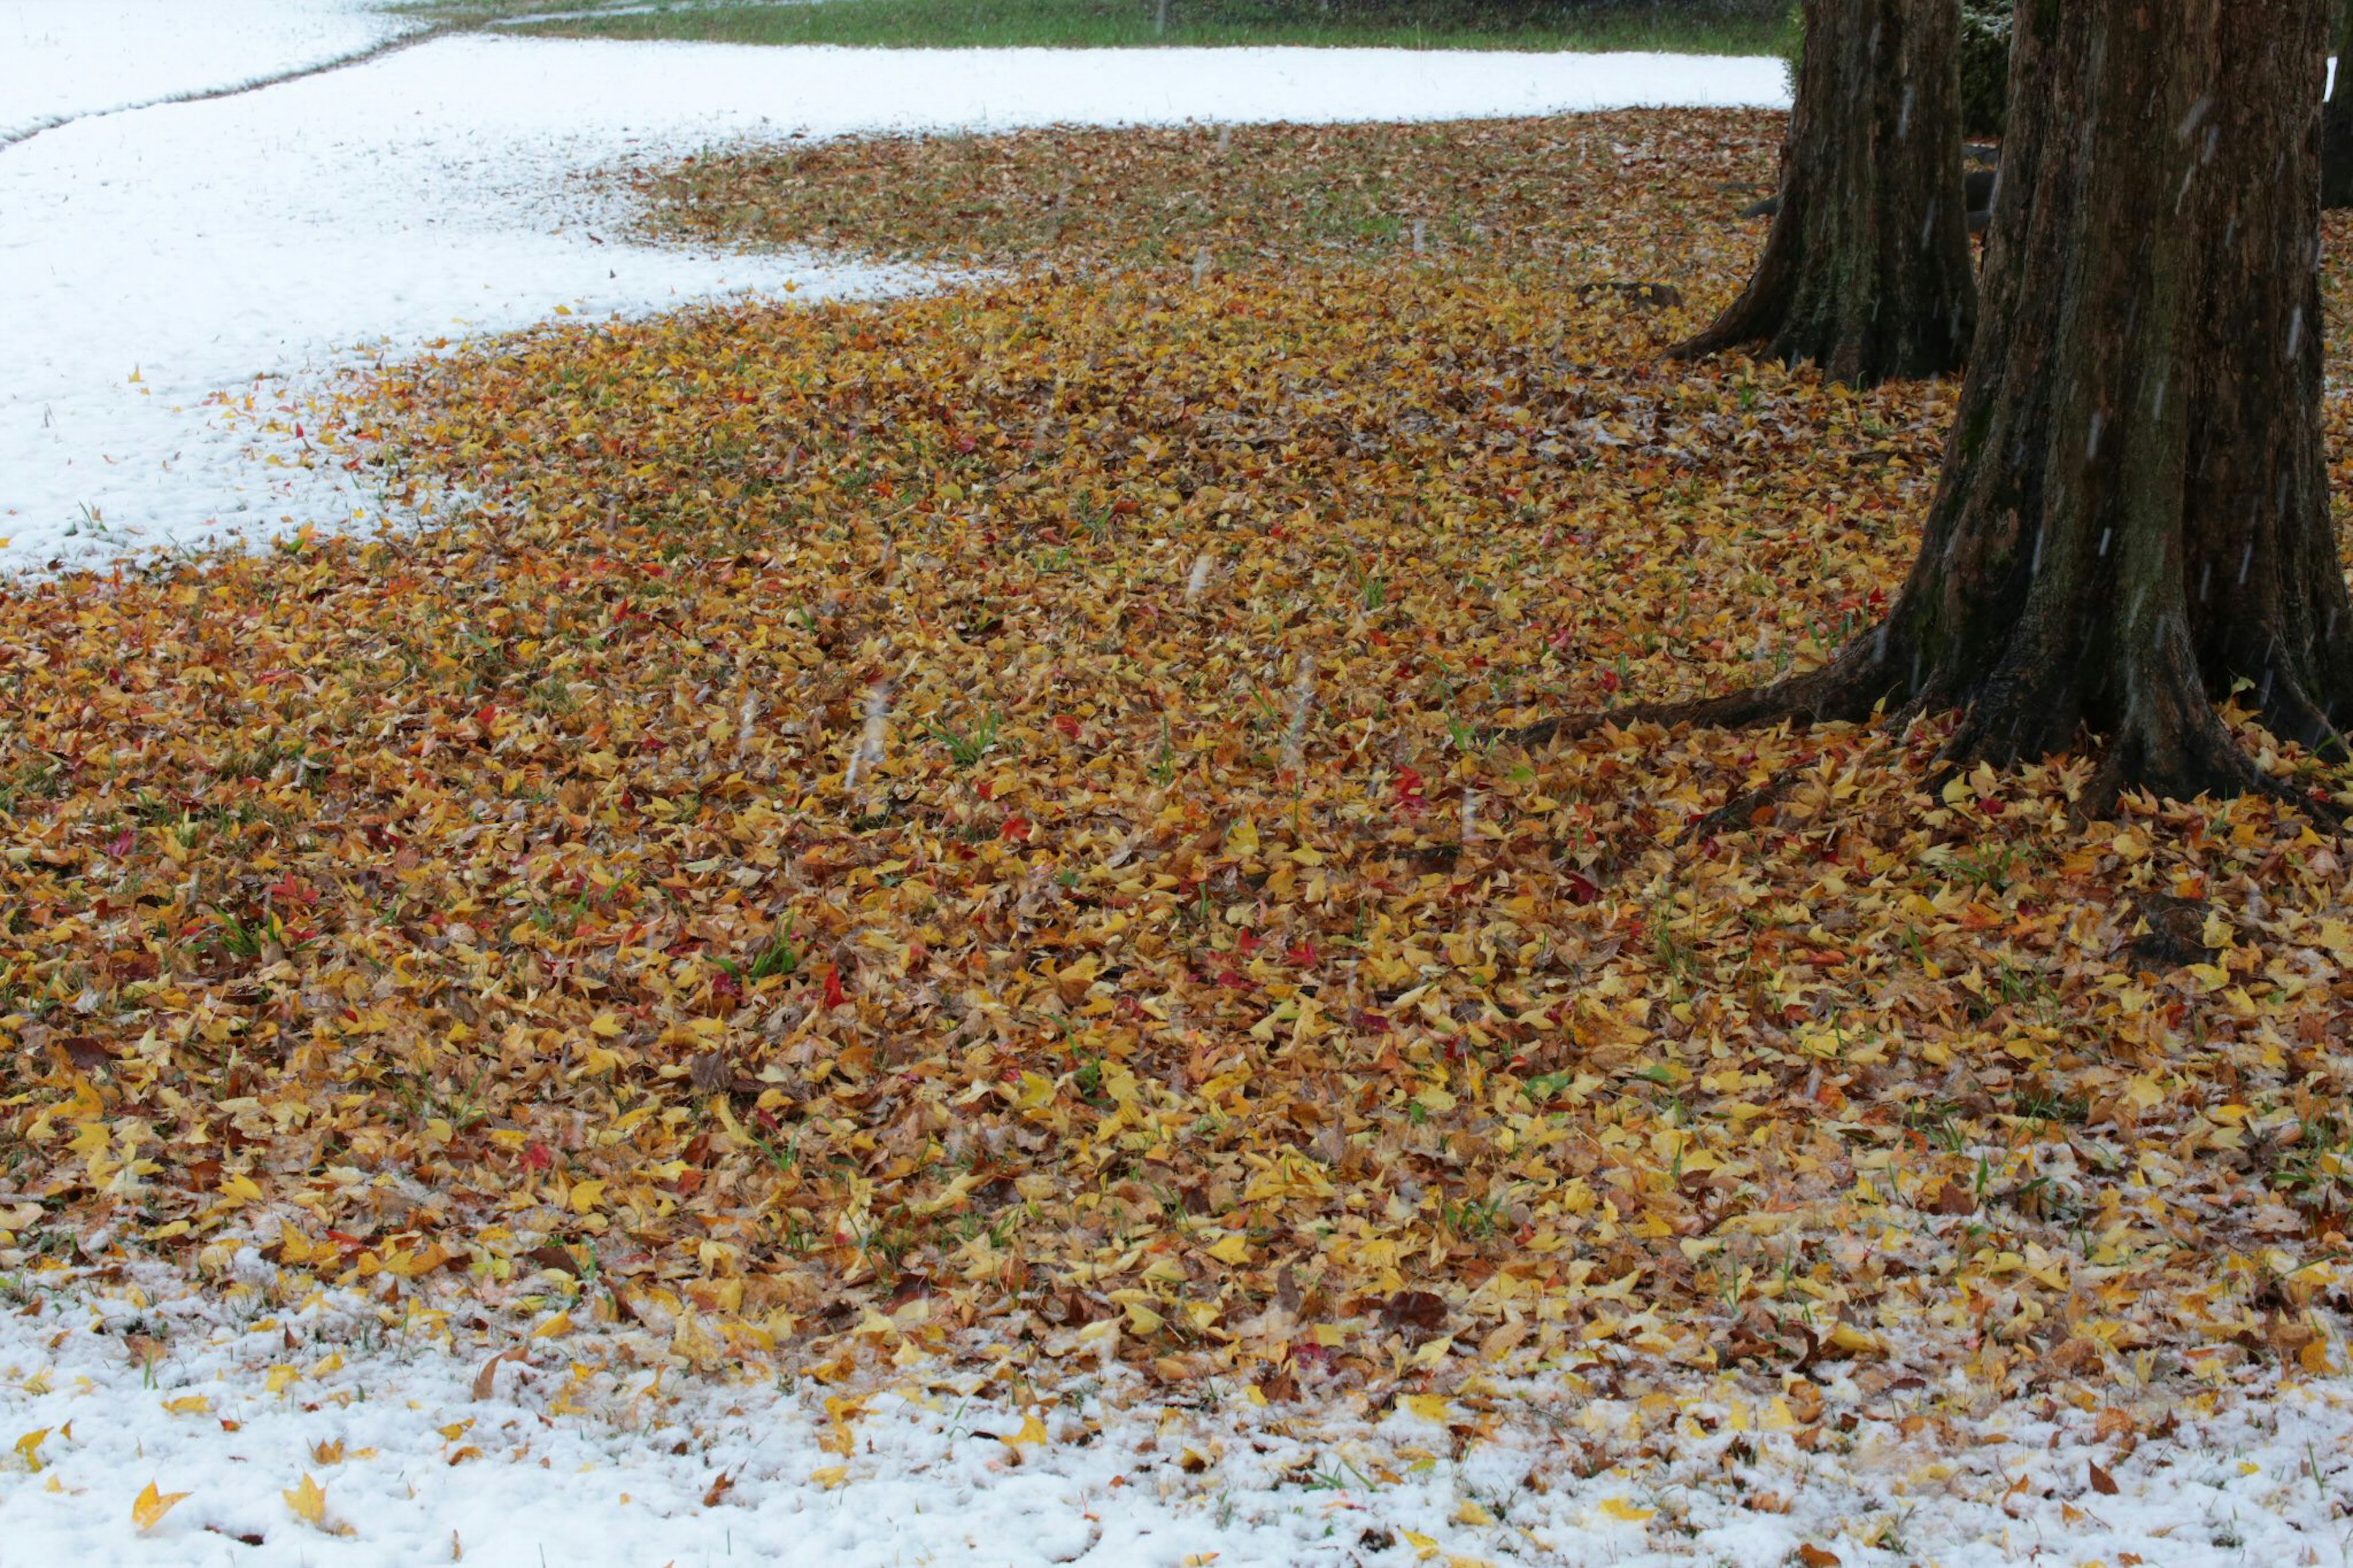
(911, 923)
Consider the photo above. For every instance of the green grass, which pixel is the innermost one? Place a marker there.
(1699, 26)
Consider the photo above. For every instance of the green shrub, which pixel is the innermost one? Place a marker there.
(1985, 66)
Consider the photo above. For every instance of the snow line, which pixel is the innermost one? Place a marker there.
(76, 59)
(352, 1430)
(199, 95)
(169, 268)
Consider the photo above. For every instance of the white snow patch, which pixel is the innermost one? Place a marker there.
(161, 263)
(592, 1448)
(62, 59)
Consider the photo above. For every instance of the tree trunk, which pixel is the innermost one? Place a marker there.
(2336, 119)
(2133, 515)
(1866, 271)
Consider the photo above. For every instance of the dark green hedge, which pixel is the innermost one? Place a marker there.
(1985, 66)
(1494, 14)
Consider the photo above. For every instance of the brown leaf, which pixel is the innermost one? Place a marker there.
(485, 1380)
(2101, 1482)
(551, 1256)
(718, 1489)
(1817, 1556)
(87, 1054)
(1414, 1311)
(1952, 1198)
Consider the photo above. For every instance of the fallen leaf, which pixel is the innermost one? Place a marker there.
(148, 1509)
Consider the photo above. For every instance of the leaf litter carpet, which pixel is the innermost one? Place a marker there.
(970, 846)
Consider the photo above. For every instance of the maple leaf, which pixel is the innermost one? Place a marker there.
(307, 1502)
(148, 1509)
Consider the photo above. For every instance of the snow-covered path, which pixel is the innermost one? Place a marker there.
(63, 59)
(160, 260)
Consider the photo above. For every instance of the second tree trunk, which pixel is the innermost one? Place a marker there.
(1867, 270)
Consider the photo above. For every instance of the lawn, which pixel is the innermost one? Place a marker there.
(988, 826)
(1696, 26)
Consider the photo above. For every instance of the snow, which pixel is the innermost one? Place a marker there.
(598, 1446)
(180, 275)
(62, 59)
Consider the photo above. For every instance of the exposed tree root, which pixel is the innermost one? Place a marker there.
(1841, 691)
(1740, 811)
(2181, 752)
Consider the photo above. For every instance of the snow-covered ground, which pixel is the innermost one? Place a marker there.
(597, 1447)
(60, 59)
(164, 267)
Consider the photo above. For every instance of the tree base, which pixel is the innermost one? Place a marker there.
(2175, 747)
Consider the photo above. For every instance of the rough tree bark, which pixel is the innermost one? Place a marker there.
(2336, 118)
(2134, 509)
(1867, 268)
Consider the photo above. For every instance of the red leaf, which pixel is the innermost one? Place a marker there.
(834, 995)
(1410, 799)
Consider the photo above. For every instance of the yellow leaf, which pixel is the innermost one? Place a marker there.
(1854, 1341)
(280, 1378)
(1424, 1546)
(189, 1405)
(605, 1026)
(1243, 837)
(1618, 1508)
(28, 1449)
(308, 1502)
(1470, 1513)
(587, 1195)
(1428, 1406)
(150, 1506)
(830, 1475)
(555, 1326)
(1231, 1248)
(1033, 1431)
